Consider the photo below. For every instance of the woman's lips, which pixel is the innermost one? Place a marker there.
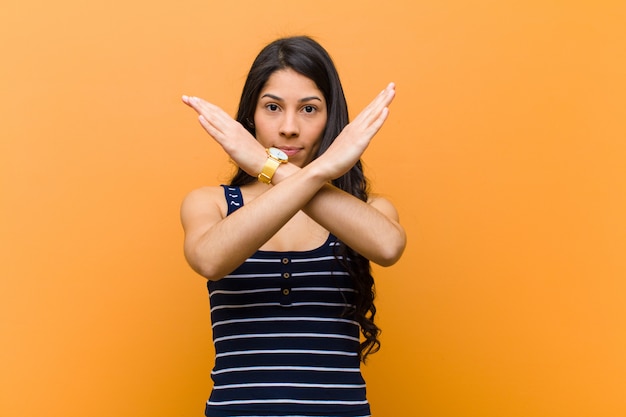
(290, 151)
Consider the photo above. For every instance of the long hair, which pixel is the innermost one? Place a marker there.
(307, 57)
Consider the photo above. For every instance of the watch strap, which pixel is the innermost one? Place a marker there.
(269, 169)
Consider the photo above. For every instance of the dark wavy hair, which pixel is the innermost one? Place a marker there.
(307, 57)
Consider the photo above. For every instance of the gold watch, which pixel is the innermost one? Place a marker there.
(275, 157)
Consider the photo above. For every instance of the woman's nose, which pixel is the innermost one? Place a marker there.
(289, 127)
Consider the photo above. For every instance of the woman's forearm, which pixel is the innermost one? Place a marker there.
(370, 229)
(219, 246)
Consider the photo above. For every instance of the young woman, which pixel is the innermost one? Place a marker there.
(287, 245)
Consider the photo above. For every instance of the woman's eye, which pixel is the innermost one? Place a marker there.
(309, 109)
(272, 107)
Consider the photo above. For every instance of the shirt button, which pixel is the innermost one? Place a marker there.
(285, 261)
(285, 291)
(286, 275)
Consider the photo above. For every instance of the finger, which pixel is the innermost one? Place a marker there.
(199, 105)
(211, 113)
(382, 100)
(220, 119)
(192, 102)
(386, 96)
(210, 128)
(379, 121)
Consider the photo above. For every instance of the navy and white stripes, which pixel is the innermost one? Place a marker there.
(286, 343)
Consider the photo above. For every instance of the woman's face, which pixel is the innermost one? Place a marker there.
(291, 115)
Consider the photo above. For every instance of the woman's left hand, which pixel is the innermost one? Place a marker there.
(349, 146)
(238, 143)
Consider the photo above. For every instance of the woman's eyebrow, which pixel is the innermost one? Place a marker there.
(302, 100)
(272, 96)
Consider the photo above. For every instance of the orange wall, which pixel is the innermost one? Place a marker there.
(505, 153)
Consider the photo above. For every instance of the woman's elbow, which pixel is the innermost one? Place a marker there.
(388, 259)
(391, 252)
(206, 268)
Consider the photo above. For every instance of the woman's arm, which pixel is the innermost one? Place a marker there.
(372, 229)
(215, 245)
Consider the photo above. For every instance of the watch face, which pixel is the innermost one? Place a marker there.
(278, 154)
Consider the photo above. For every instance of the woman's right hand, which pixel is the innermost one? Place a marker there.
(238, 143)
(348, 147)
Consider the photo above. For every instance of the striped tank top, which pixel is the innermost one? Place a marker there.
(284, 345)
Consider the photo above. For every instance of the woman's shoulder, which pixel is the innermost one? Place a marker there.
(203, 199)
(205, 193)
(383, 205)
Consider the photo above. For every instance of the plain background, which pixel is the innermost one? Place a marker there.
(505, 153)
